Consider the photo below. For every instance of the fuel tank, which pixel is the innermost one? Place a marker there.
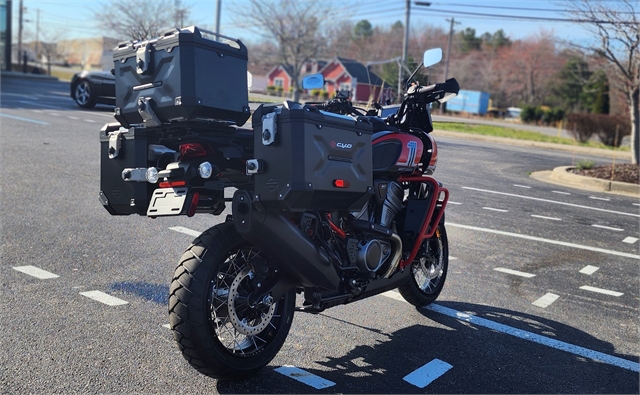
(397, 152)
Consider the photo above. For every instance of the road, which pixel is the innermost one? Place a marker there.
(541, 297)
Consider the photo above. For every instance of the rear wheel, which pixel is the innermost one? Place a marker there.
(429, 272)
(219, 332)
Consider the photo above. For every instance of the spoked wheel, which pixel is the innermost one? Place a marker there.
(220, 328)
(84, 95)
(428, 272)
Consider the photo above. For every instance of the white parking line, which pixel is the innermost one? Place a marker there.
(186, 231)
(428, 373)
(630, 240)
(551, 201)
(543, 217)
(607, 227)
(601, 291)
(521, 186)
(495, 209)
(561, 193)
(104, 298)
(450, 202)
(90, 120)
(599, 198)
(305, 377)
(589, 269)
(636, 204)
(168, 326)
(70, 117)
(525, 335)
(540, 239)
(36, 272)
(514, 272)
(546, 300)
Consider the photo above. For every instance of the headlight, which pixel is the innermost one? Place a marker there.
(205, 169)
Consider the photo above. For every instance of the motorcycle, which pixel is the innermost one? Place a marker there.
(332, 202)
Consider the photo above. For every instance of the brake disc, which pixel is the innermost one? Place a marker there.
(248, 326)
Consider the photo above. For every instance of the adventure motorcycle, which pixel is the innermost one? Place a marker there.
(330, 201)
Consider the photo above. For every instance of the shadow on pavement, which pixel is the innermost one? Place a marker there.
(483, 360)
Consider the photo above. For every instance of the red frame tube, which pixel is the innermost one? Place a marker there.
(429, 218)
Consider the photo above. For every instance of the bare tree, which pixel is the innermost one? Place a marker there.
(295, 26)
(140, 20)
(617, 26)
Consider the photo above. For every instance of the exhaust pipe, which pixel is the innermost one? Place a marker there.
(284, 242)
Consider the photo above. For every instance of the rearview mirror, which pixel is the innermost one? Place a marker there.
(432, 57)
(313, 81)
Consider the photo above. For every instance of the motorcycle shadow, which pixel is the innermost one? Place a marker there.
(157, 293)
(483, 359)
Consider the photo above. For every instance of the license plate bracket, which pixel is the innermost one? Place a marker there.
(167, 201)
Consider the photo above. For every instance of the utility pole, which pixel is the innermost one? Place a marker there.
(446, 62)
(20, 11)
(405, 43)
(7, 44)
(37, 35)
(218, 9)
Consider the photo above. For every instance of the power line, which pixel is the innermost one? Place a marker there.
(516, 8)
(526, 18)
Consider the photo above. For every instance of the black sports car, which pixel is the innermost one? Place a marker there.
(89, 88)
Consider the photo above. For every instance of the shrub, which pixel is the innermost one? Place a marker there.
(585, 164)
(325, 95)
(610, 129)
(316, 92)
(529, 114)
(553, 115)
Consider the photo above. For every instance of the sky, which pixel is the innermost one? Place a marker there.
(74, 18)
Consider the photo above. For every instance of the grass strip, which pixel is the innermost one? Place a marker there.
(499, 131)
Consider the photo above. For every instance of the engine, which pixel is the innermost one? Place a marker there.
(369, 252)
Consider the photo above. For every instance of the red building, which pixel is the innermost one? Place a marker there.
(339, 74)
(348, 74)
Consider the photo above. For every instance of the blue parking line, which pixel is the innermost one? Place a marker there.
(428, 373)
(305, 377)
(533, 337)
(24, 119)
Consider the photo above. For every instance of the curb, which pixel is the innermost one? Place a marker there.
(562, 176)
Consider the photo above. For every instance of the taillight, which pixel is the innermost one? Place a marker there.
(192, 150)
(172, 184)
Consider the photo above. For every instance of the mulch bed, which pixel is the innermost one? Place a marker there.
(622, 172)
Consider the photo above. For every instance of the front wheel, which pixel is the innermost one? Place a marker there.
(83, 94)
(428, 272)
(219, 333)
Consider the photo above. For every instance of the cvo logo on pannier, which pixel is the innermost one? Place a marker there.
(341, 145)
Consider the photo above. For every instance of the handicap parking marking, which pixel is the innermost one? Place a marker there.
(305, 377)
